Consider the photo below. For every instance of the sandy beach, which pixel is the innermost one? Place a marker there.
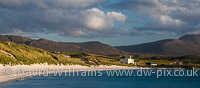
(8, 73)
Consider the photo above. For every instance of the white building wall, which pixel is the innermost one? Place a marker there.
(130, 61)
(127, 60)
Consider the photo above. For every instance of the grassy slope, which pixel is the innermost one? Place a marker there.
(12, 53)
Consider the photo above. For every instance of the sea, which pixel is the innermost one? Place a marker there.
(108, 79)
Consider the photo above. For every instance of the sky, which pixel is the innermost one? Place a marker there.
(114, 22)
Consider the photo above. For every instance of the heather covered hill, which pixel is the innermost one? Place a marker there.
(94, 47)
(87, 47)
(16, 39)
(185, 45)
(191, 38)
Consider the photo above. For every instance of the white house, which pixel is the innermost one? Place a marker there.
(126, 60)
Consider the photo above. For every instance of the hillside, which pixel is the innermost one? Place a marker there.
(12, 53)
(94, 47)
(15, 54)
(185, 45)
(191, 38)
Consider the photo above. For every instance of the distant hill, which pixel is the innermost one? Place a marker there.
(185, 45)
(16, 39)
(94, 47)
(191, 38)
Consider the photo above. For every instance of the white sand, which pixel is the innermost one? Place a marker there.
(16, 71)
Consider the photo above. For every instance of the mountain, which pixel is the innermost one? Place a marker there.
(185, 45)
(13, 38)
(94, 47)
(191, 38)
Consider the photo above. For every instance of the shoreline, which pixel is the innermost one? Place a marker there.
(14, 70)
(40, 68)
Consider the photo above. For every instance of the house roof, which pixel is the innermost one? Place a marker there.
(123, 57)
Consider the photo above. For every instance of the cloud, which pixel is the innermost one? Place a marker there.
(64, 4)
(75, 3)
(177, 16)
(67, 17)
(96, 19)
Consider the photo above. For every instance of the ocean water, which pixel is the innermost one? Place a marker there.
(105, 81)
